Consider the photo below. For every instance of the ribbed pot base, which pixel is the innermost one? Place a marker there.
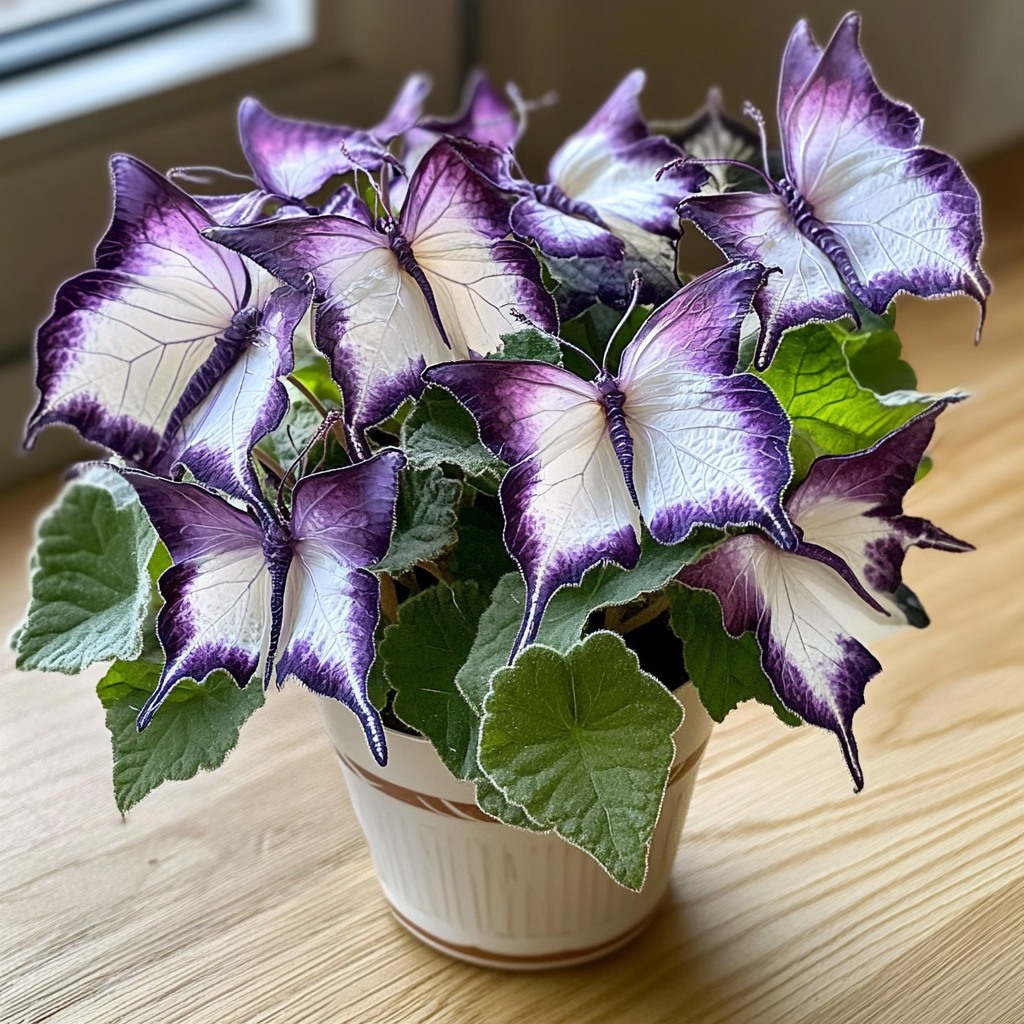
(524, 961)
(483, 891)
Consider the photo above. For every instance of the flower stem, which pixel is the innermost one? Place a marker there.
(270, 463)
(623, 624)
(388, 598)
(338, 429)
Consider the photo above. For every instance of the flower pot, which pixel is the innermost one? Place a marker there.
(484, 891)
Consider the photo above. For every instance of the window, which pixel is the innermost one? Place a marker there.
(91, 54)
(33, 36)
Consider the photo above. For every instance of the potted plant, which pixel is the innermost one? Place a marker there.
(462, 454)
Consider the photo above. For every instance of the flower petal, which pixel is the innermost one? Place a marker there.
(126, 339)
(217, 594)
(294, 158)
(907, 216)
(759, 226)
(709, 447)
(216, 439)
(341, 523)
(566, 502)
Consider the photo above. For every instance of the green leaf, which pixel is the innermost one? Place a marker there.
(492, 801)
(378, 686)
(301, 423)
(159, 563)
(439, 431)
(422, 653)
(874, 360)
(530, 344)
(313, 370)
(194, 730)
(90, 582)
(480, 553)
(832, 412)
(583, 742)
(569, 609)
(492, 646)
(726, 670)
(424, 519)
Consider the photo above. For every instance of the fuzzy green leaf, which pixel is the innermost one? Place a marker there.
(378, 686)
(583, 741)
(90, 584)
(194, 730)
(480, 554)
(422, 653)
(299, 426)
(567, 613)
(726, 670)
(439, 431)
(424, 519)
(492, 801)
(833, 412)
(492, 646)
(530, 344)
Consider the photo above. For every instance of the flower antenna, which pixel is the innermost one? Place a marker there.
(325, 427)
(635, 284)
(381, 189)
(524, 107)
(749, 110)
(712, 161)
(202, 174)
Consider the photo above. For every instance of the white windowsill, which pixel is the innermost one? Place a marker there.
(170, 58)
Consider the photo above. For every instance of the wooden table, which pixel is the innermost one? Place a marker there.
(247, 894)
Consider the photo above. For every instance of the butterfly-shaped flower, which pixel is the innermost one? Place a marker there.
(440, 282)
(712, 135)
(486, 116)
(862, 209)
(604, 213)
(815, 608)
(291, 159)
(138, 349)
(675, 434)
(284, 598)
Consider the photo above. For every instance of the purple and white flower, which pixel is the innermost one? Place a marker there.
(862, 209)
(440, 282)
(283, 599)
(291, 159)
(605, 201)
(136, 347)
(486, 117)
(814, 609)
(676, 437)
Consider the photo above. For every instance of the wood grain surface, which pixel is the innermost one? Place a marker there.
(247, 895)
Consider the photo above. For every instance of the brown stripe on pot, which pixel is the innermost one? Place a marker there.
(450, 808)
(469, 811)
(685, 767)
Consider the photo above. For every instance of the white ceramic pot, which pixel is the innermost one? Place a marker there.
(481, 890)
